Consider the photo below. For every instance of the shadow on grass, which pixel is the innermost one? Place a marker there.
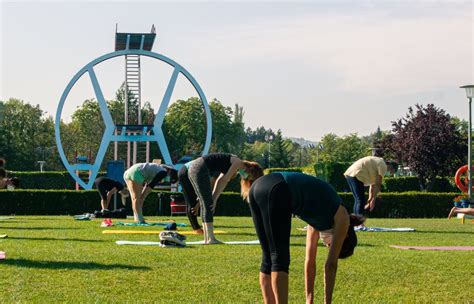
(36, 218)
(38, 228)
(68, 265)
(227, 226)
(51, 239)
(255, 235)
(323, 246)
(443, 232)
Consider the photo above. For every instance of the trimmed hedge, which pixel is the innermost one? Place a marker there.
(46, 180)
(333, 173)
(291, 169)
(400, 184)
(68, 202)
(411, 183)
(408, 204)
(330, 172)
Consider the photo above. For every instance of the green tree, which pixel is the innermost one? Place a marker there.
(342, 149)
(185, 128)
(462, 126)
(228, 132)
(279, 153)
(257, 151)
(26, 135)
(259, 134)
(300, 155)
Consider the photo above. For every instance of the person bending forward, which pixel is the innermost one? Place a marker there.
(273, 199)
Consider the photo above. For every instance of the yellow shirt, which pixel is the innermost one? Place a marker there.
(367, 169)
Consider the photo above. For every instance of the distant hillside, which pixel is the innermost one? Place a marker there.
(302, 142)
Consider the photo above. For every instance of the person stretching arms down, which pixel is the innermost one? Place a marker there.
(273, 199)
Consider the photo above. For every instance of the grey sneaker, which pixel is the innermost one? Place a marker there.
(174, 237)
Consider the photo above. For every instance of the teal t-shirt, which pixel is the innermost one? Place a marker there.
(312, 200)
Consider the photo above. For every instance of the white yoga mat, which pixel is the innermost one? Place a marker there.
(255, 242)
(384, 229)
(2, 218)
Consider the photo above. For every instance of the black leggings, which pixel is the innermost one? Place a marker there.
(270, 203)
(190, 196)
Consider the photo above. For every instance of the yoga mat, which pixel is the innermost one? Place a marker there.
(187, 243)
(6, 218)
(132, 224)
(153, 232)
(465, 248)
(2, 236)
(255, 242)
(383, 229)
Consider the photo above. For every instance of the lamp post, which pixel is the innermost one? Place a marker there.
(469, 93)
(269, 139)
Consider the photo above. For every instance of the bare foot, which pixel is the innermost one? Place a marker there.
(198, 231)
(214, 241)
(452, 212)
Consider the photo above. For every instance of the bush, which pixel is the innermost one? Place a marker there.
(68, 202)
(46, 180)
(400, 184)
(411, 183)
(333, 173)
(408, 204)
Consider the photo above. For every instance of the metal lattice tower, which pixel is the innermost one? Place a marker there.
(132, 85)
(124, 41)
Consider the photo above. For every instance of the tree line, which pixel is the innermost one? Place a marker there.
(427, 139)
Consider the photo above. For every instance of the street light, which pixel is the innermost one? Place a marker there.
(470, 94)
(269, 139)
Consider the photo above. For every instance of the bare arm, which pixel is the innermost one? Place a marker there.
(312, 237)
(146, 190)
(110, 193)
(341, 224)
(224, 179)
(375, 188)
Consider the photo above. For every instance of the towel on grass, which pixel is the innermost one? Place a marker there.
(383, 229)
(147, 224)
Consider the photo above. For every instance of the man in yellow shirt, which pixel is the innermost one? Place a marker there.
(368, 171)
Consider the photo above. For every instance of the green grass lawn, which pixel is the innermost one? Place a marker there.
(57, 259)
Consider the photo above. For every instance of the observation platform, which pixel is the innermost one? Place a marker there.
(135, 41)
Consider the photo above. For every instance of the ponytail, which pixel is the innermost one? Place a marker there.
(255, 171)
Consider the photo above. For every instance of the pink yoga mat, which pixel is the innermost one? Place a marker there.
(466, 248)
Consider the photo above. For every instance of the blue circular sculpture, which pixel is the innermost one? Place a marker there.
(110, 127)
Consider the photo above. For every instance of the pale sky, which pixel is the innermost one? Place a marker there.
(308, 68)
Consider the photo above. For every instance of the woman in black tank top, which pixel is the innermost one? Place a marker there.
(273, 199)
(198, 191)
